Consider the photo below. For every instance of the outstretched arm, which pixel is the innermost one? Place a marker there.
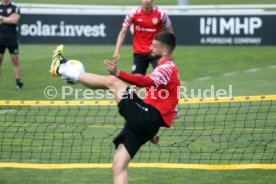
(138, 80)
(159, 76)
(120, 40)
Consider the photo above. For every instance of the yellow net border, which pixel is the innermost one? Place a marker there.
(141, 165)
(112, 102)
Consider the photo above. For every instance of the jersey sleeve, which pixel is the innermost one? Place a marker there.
(15, 8)
(129, 19)
(160, 76)
(165, 19)
(138, 80)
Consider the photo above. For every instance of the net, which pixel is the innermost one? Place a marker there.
(209, 131)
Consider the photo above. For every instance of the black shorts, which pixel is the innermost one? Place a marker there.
(142, 122)
(141, 63)
(13, 48)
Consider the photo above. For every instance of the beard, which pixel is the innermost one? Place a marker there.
(156, 56)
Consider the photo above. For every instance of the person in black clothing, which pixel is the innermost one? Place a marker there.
(9, 17)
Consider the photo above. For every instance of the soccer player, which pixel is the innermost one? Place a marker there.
(9, 17)
(143, 117)
(147, 20)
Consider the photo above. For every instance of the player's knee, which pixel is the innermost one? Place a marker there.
(118, 166)
(15, 61)
(111, 81)
(115, 167)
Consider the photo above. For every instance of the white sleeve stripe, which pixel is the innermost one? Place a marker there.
(166, 21)
(166, 69)
(162, 74)
(129, 18)
(158, 81)
(164, 17)
(166, 74)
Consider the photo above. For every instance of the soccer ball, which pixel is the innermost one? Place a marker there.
(74, 66)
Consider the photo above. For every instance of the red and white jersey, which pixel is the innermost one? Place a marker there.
(145, 26)
(162, 87)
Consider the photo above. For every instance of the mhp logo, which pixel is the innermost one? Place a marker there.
(232, 25)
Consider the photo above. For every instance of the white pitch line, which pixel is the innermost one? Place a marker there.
(183, 83)
(273, 66)
(6, 111)
(252, 70)
(204, 78)
(229, 74)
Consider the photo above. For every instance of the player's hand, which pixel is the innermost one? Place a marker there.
(155, 139)
(111, 67)
(116, 57)
(114, 60)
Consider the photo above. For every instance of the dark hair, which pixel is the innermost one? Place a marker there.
(167, 38)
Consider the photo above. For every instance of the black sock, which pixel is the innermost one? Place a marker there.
(17, 81)
(63, 60)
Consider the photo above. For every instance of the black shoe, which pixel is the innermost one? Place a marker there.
(19, 85)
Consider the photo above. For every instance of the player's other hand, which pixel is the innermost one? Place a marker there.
(111, 67)
(155, 139)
